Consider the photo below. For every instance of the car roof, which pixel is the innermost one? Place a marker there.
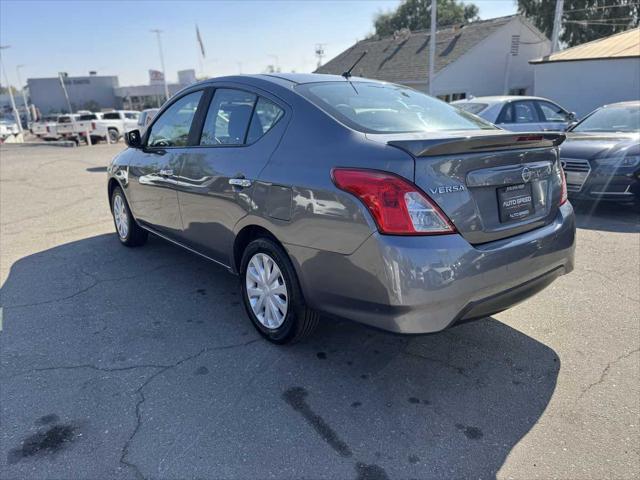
(631, 103)
(288, 78)
(499, 99)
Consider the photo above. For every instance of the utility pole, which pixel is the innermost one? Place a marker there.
(164, 73)
(12, 100)
(320, 53)
(432, 44)
(557, 26)
(64, 90)
(24, 96)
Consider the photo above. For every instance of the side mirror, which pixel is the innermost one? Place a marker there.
(572, 117)
(133, 139)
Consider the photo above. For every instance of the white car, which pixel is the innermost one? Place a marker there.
(8, 128)
(46, 128)
(145, 118)
(66, 126)
(113, 125)
(519, 113)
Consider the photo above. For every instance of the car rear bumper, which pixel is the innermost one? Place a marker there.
(418, 285)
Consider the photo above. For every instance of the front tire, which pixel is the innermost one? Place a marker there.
(114, 136)
(271, 294)
(129, 232)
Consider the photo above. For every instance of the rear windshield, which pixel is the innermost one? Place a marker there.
(611, 119)
(384, 108)
(474, 108)
(91, 116)
(64, 120)
(111, 116)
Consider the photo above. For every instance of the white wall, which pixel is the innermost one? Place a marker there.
(584, 85)
(481, 71)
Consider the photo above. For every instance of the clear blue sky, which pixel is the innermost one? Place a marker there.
(113, 37)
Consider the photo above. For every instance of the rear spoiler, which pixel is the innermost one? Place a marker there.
(480, 143)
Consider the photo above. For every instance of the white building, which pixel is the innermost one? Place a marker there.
(593, 74)
(488, 57)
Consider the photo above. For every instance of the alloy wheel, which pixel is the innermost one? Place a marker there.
(120, 216)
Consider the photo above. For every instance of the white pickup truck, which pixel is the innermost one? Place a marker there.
(46, 128)
(113, 125)
(66, 126)
(86, 122)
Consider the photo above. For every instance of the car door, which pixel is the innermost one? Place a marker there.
(553, 117)
(152, 171)
(520, 116)
(241, 130)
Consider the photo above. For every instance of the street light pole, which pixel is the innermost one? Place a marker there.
(11, 99)
(164, 73)
(24, 96)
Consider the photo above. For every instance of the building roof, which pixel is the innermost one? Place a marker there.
(404, 57)
(621, 45)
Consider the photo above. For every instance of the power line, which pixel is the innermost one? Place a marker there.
(587, 23)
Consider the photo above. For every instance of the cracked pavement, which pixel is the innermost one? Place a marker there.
(139, 363)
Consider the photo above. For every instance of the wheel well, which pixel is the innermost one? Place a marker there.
(113, 183)
(246, 236)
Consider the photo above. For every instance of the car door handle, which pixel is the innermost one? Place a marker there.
(240, 182)
(165, 173)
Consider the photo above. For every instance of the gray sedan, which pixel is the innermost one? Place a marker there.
(519, 113)
(350, 197)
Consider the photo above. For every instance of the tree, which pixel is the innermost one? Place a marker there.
(582, 20)
(416, 15)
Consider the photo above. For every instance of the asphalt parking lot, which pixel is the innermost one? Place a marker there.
(140, 363)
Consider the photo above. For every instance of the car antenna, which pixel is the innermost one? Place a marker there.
(347, 74)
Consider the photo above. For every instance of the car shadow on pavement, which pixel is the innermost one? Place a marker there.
(607, 216)
(145, 360)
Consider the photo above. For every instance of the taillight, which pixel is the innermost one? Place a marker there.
(397, 205)
(563, 193)
(48, 130)
(93, 125)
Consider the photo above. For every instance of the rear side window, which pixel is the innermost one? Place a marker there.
(265, 116)
(228, 117)
(171, 129)
(131, 115)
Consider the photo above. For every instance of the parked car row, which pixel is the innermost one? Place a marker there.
(99, 126)
(601, 154)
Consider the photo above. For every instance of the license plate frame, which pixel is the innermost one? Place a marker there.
(515, 202)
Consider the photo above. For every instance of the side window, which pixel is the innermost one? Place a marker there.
(266, 115)
(552, 113)
(524, 112)
(131, 115)
(506, 115)
(228, 117)
(172, 127)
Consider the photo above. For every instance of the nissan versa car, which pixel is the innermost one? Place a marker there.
(601, 156)
(346, 196)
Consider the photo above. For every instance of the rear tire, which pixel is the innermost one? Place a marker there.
(274, 303)
(129, 232)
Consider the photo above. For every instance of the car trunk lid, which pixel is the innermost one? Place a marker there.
(491, 184)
